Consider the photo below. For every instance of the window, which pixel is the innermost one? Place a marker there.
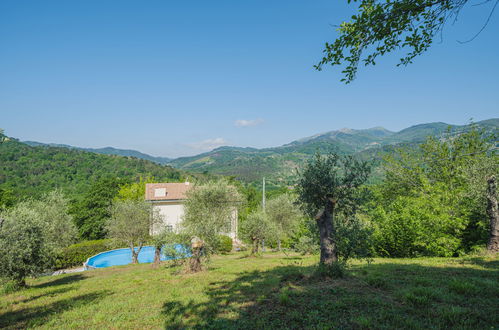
(169, 228)
(160, 192)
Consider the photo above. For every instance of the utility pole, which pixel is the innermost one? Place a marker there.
(263, 195)
(263, 208)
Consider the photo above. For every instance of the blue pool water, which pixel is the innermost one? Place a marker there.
(124, 257)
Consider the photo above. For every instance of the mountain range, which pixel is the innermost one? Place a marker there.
(279, 164)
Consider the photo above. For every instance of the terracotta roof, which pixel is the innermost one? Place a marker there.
(166, 191)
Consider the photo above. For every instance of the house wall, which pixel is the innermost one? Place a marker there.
(172, 213)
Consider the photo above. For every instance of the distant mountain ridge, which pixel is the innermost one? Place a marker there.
(279, 164)
(106, 151)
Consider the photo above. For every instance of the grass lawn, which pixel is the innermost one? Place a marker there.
(274, 291)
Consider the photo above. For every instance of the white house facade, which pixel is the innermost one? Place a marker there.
(168, 200)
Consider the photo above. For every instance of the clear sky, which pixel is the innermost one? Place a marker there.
(174, 78)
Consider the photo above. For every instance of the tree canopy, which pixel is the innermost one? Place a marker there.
(381, 27)
(209, 211)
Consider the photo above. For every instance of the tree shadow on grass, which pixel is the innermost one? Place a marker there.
(61, 280)
(385, 295)
(37, 316)
(46, 294)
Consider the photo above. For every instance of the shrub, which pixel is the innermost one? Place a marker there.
(77, 254)
(23, 246)
(225, 244)
(334, 270)
(307, 245)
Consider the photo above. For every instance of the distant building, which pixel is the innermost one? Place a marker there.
(168, 200)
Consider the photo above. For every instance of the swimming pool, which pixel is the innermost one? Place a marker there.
(121, 257)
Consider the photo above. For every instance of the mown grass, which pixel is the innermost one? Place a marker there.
(274, 291)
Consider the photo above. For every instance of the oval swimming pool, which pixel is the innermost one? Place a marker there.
(121, 257)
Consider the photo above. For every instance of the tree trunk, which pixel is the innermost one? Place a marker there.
(329, 253)
(279, 245)
(493, 213)
(195, 262)
(254, 249)
(157, 256)
(135, 254)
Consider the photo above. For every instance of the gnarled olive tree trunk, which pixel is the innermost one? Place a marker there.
(135, 254)
(157, 256)
(254, 248)
(493, 213)
(329, 253)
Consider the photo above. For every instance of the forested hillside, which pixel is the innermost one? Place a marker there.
(279, 164)
(31, 171)
(105, 151)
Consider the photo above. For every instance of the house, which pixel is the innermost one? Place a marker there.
(168, 200)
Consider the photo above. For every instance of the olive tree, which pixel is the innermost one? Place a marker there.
(329, 185)
(58, 224)
(209, 211)
(32, 233)
(283, 212)
(24, 248)
(130, 224)
(258, 227)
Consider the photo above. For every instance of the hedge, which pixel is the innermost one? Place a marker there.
(77, 254)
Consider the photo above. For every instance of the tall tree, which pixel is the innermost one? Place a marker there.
(209, 211)
(381, 27)
(493, 213)
(92, 211)
(328, 185)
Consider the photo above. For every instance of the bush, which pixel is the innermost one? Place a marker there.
(77, 254)
(334, 270)
(23, 246)
(225, 244)
(307, 245)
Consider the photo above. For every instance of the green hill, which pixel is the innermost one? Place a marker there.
(105, 151)
(30, 171)
(279, 164)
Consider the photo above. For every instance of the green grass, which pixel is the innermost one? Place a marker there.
(273, 291)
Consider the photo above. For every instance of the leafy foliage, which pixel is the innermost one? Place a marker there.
(77, 254)
(94, 208)
(258, 227)
(433, 202)
(331, 177)
(329, 190)
(24, 249)
(225, 244)
(381, 27)
(135, 190)
(209, 211)
(284, 213)
(51, 212)
(130, 224)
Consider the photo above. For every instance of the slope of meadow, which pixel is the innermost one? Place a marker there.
(274, 291)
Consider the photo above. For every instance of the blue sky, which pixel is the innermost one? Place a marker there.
(174, 78)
